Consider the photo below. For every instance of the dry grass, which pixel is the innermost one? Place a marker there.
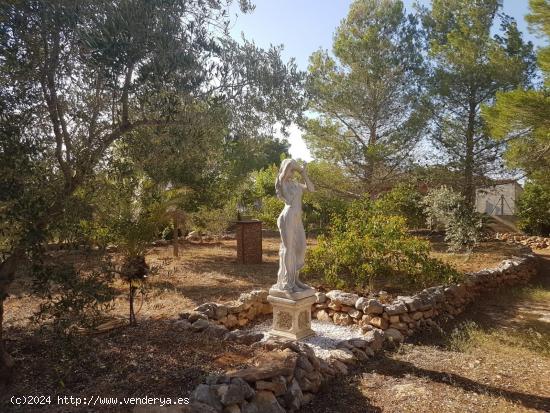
(486, 255)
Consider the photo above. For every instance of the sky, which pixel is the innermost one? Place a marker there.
(304, 26)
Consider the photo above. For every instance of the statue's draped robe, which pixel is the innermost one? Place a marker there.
(293, 237)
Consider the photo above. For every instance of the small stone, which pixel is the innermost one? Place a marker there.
(342, 319)
(234, 408)
(358, 343)
(342, 298)
(182, 324)
(375, 338)
(353, 313)
(394, 335)
(247, 407)
(320, 297)
(194, 316)
(209, 309)
(200, 325)
(394, 319)
(418, 315)
(360, 354)
(396, 308)
(304, 363)
(322, 315)
(340, 367)
(379, 322)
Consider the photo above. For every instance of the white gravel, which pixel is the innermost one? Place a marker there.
(327, 335)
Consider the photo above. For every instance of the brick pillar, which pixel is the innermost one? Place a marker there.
(249, 242)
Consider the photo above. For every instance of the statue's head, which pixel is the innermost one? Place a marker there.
(287, 169)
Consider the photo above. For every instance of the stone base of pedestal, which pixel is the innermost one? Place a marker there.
(291, 318)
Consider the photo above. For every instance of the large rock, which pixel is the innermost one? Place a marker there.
(235, 392)
(375, 339)
(412, 303)
(200, 325)
(294, 396)
(394, 335)
(216, 330)
(369, 306)
(342, 298)
(343, 355)
(208, 395)
(277, 385)
(243, 336)
(266, 402)
(268, 365)
(396, 308)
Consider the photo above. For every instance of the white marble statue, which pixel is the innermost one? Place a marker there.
(293, 237)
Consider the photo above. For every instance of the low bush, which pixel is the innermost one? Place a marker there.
(364, 246)
(534, 209)
(404, 200)
(447, 209)
(83, 299)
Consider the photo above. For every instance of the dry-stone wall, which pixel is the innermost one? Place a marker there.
(233, 314)
(528, 240)
(407, 313)
(288, 374)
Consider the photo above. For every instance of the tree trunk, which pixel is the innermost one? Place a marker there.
(370, 166)
(176, 236)
(7, 272)
(6, 362)
(132, 313)
(469, 189)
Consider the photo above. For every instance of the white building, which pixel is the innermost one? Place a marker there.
(498, 199)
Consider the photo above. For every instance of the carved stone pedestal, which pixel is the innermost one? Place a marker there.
(292, 317)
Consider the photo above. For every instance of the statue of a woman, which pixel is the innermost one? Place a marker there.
(293, 237)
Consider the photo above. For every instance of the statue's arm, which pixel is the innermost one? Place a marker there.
(309, 185)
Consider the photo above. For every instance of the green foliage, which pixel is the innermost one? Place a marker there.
(447, 209)
(364, 246)
(404, 200)
(522, 117)
(214, 221)
(471, 62)
(367, 97)
(83, 299)
(534, 209)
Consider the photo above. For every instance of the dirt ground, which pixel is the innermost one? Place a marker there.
(494, 358)
(209, 272)
(154, 358)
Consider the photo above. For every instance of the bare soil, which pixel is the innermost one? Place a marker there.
(155, 358)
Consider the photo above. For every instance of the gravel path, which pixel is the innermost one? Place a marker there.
(327, 335)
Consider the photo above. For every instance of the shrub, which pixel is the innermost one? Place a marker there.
(534, 209)
(82, 299)
(214, 221)
(404, 200)
(365, 245)
(447, 209)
